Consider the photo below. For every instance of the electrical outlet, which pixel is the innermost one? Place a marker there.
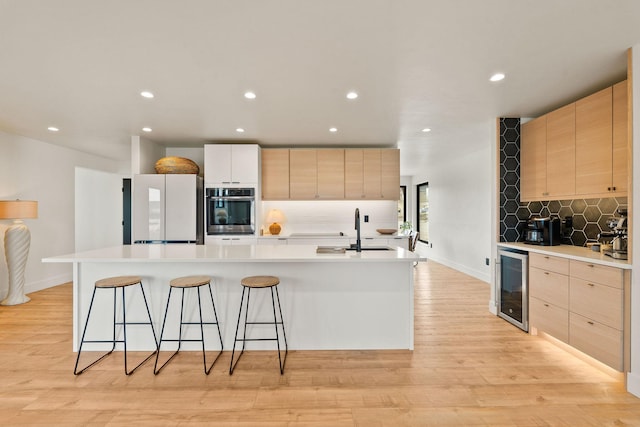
(486, 261)
(366, 218)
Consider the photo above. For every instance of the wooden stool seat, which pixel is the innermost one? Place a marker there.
(260, 281)
(118, 282)
(190, 281)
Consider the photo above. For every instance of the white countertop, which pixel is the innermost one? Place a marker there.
(578, 253)
(231, 253)
(332, 236)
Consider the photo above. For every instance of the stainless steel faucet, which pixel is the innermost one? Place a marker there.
(358, 242)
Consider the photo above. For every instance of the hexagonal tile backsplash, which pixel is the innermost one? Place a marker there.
(589, 216)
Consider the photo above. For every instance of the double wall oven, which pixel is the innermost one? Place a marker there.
(230, 211)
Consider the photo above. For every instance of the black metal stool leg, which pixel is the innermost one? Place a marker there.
(281, 362)
(75, 369)
(157, 370)
(235, 338)
(124, 328)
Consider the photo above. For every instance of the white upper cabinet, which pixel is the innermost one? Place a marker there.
(231, 164)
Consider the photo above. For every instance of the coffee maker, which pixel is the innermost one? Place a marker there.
(617, 236)
(543, 231)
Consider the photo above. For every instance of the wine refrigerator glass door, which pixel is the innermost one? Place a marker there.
(512, 288)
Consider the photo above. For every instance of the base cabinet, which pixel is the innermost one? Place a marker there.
(580, 303)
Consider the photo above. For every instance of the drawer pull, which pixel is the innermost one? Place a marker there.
(590, 322)
(546, 305)
(546, 257)
(591, 284)
(590, 265)
(546, 272)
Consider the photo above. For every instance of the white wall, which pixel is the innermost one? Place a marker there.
(333, 216)
(460, 208)
(144, 155)
(36, 170)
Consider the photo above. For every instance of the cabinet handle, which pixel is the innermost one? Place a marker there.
(546, 272)
(590, 322)
(546, 257)
(591, 284)
(608, 188)
(614, 188)
(546, 305)
(590, 265)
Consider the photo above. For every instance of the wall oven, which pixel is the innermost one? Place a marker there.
(230, 210)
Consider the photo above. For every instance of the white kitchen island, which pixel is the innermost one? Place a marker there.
(334, 301)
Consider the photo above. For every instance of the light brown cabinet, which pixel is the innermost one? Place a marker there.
(372, 174)
(533, 154)
(549, 295)
(316, 174)
(594, 132)
(577, 151)
(561, 152)
(580, 303)
(275, 174)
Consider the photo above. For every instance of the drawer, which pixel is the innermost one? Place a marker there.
(603, 304)
(549, 263)
(549, 286)
(597, 340)
(602, 274)
(549, 318)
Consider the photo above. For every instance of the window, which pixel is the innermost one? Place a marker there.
(402, 205)
(423, 211)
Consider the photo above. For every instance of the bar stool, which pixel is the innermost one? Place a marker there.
(249, 283)
(115, 283)
(189, 282)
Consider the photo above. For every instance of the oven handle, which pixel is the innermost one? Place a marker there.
(233, 198)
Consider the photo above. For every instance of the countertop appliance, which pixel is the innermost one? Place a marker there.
(512, 287)
(230, 211)
(617, 237)
(543, 231)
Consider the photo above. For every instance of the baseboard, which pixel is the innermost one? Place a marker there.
(50, 282)
(480, 275)
(633, 383)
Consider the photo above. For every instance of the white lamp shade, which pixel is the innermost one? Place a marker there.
(276, 215)
(18, 209)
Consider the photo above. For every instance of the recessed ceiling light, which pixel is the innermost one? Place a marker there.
(147, 129)
(333, 129)
(53, 129)
(425, 130)
(497, 77)
(352, 95)
(239, 130)
(146, 94)
(250, 95)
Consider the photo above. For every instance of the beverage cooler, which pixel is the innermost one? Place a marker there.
(512, 287)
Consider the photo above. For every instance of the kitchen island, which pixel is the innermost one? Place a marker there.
(330, 301)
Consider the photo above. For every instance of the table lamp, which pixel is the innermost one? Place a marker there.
(16, 245)
(274, 217)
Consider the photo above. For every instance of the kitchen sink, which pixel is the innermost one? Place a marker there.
(342, 249)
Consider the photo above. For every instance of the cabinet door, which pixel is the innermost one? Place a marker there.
(597, 340)
(390, 174)
(594, 143)
(620, 138)
(275, 174)
(597, 302)
(533, 158)
(217, 163)
(245, 163)
(561, 151)
(549, 318)
(353, 174)
(148, 207)
(371, 173)
(549, 286)
(330, 174)
(302, 174)
(181, 193)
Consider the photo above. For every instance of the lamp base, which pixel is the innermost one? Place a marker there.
(275, 228)
(16, 248)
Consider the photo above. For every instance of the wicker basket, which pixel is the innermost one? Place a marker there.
(174, 164)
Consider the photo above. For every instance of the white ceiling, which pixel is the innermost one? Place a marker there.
(80, 65)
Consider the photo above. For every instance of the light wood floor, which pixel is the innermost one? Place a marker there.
(469, 368)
